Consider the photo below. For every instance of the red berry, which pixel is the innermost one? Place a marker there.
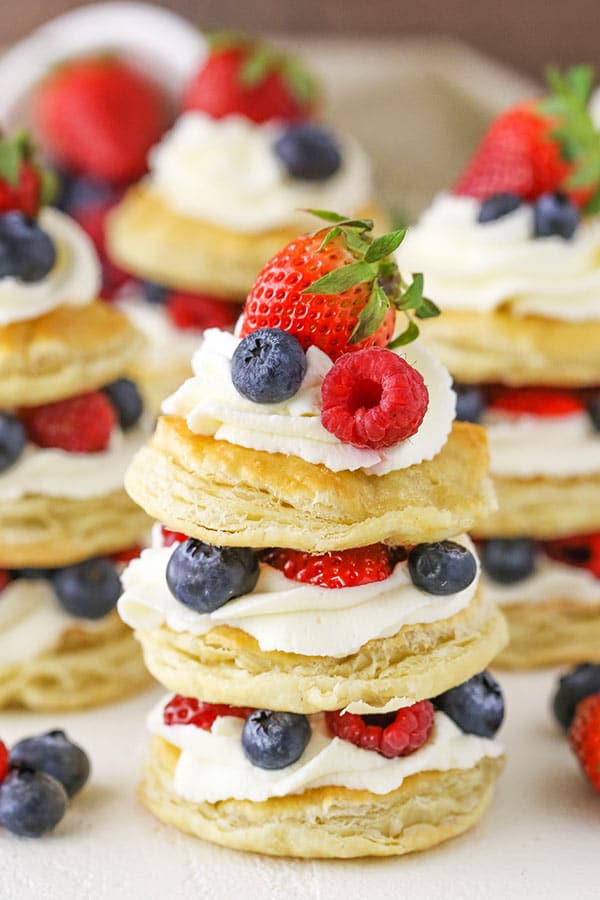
(392, 734)
(200, 311)
(172, 537)
(336, 569)
(584, 738)
(92, 219)
(4, 579)
(189, 711)
(3, 760)
(82, 424)
(25, 195)
(581, 551)
(536, 402)
(324, 320)
(373, 399)
(123, 557)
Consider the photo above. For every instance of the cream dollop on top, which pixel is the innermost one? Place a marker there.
(211, 405)
(74, 280)
(481, 267)
(226, 172)
(212, 765)
(549, 582)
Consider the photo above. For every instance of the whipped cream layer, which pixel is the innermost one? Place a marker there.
(286, 615)
(481, 267)
(74, 280)
(212, 765)
(211, 405)
(226, 172)
(166, 345)
(55, 473)
(555, 446)
(549, 582)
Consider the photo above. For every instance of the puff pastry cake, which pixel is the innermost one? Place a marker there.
(310, 598)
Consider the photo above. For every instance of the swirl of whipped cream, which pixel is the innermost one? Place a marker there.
(481, 267)
(211, 405)
(225, 172)
(550, 581)
(74, 280)
(286, 615)
(212, 765)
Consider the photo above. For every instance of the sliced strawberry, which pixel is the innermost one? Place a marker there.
(200, 311)
(581, 551)
(536, 402)
(336, 569)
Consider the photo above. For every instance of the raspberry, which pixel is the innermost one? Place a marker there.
(200, 311)
(3, 761)
(189, 711)
(80, 424)
(337, 569)
(584, 737)
(122, 557)
(581, 551)
(172, 537)
(392, 734)
(373, 399)
(536, 402)
(4, 579)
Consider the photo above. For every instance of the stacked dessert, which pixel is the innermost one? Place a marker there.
(513, 255)
(311, 598)
(69, 426)
(226, 190)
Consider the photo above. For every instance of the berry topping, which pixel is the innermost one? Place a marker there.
(581, 551)
(536, 402)
(189, 711)
(476, 706)
(200, 311)
(470, 403)
(594, 411)
(154, 293)
(127, 401)
(82, 424)
(54, 754)
(12, 440)
(205, 577)
(24, 186)
(308, 151)
(31, 802)
(442, 568)
(336, 569)
(274, 740)
(26, 251)
(497, 206)
(584, 738)
(508, 560)
(554, 214)
(80, 192)
(88, 590)
(3, 761)
(123, 557)
(172, 537)
(93, 219)
(373, 399)
(4, 579)
(268, 366)
(576, 684)
(393, 734)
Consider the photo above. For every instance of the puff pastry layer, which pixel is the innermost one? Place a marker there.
(561, 632)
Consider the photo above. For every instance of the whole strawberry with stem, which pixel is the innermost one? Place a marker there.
(584, 738)
(24, 185)
(337, 289)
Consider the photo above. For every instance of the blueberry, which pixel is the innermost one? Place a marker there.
(88, 590)
(81, 192)
(54, 754)
(470, 403)
(580, 682)
(205, 577)
(442, 568)
(12, 440)
(594, 411)
(32, 803)
(555, 214)
(127, 401)
(154, 293)
(268, 366)
(33, 574)
(477, 705)
(496, 206)
(508, 560)
(308, 152)
(274, 740)
(26, 251)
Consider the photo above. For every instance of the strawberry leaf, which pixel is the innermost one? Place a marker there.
(342, 279)
(410, 334)
(257, 65)
(10, 161)
(371, 316)
(384, 245)
(427, 309)
(327, 215)
(330, 236)
(298, 80)
(593, 205)
(413, 295)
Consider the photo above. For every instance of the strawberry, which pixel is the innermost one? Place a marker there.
(4, 761)
(123, 557)
(543, 402)
(201, 311)
(172, 537)
(99, 116)
(582, 551)
(82, 424)
(337, 289)
(23, 184)
(245, 78)
(584, 738)
(336, 569)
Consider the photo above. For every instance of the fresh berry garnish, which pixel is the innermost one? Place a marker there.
(200, 311)
(24, 186)
(555, 215)
(442, 568)
(127, 401)
(4, 579)
(247, 78)
(584, 738)
(3, 761)
(93, 219)
(373, 399)
(336, 569)
(536, 402)
(497, 206)
(124, 557)
(275, 740)
(89, 589)
(581, 551)
(189, 711)
(393, 734)
(205, 577)
(82, 424)
(12, 440)
(268, 366)
(579, 682)
(154, 293)
(31, 802)
(470, 403)
(594, 411)
(308, 152)
(476, 706)
(80, 192)
(172, 537)
(54, 754)
(327, 289)
(508, 560)
(99, 116)
(27, 252)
